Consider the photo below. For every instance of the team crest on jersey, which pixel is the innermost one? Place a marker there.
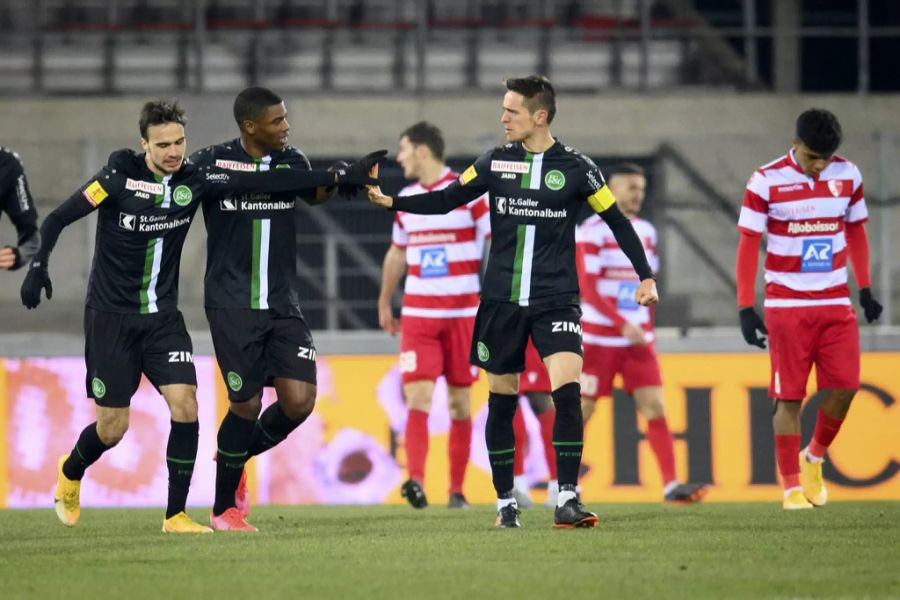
(182, 195)
(235, 165)
(555, 180)
(144, 186)
(835, 186)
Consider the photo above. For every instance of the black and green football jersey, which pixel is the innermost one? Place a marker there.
(142, 223)
(251, 236)
(535, 200)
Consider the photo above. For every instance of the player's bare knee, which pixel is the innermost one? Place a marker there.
(248, 409)
(182, 401)
(300, 403)
(112, 424)
(418, 395)
(459, 402)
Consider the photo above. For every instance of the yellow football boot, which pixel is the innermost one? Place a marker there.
(66, 498)
(181, 523)
(795, 500)
(811, 480)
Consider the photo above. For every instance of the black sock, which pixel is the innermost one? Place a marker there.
(87, 450)
(180, 456)
(501, 440)
(271, 429)
(234, 436)
(568, 433)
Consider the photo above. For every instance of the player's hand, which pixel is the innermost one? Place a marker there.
(375, 194)
(36, 280)
(7, 257)
(634, 334)
(750, 324)
(358, 173)
(646, 293)
(871, 307)
(346, 191)
(386, 319)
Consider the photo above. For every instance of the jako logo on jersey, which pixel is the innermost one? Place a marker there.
(814, 227)
(227, 204)
(145, 186)
(182, 195)
(434, 262)
(816, 256)
(566, 327)
(127, 221)
(307, 353)
(835, 186)
(235, 165)
(509, 166)
(501, 205)
(181, 356)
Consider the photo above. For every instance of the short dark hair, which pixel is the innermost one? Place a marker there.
(424, 133)
(538, 92)
(820, 130)
(253, 102)
(627, 168)
(157, 112)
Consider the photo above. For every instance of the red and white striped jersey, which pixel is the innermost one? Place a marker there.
(443, 255)
(806, 252)
(608, 282)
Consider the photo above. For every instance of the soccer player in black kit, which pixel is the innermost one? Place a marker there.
(537, 185)
(15, 201)
(252, 299)
(145, 205)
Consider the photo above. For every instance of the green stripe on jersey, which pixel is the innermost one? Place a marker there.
(531, 179)
(259, 277)
(520, 289)
(526, 176)
(152, 260)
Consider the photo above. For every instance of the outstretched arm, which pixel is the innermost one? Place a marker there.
(631, 245)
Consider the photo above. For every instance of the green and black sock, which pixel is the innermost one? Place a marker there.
(501, 440)
(181, 453)
(568, 432)
(233, 439)
(86, 452)
(271, 429)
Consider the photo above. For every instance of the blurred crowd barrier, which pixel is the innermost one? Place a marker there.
(351, 449)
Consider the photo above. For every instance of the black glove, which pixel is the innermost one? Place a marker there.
(750, 324)
(871, 307)
(358, 172)
(36, 280)
(348, 192)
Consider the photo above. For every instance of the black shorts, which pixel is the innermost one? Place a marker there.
(502, 330)
(118, 347)
(255, 346)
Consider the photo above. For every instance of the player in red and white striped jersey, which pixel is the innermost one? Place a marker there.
(810, 203)
(441, 255)
(618, 332)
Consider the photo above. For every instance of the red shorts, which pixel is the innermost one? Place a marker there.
(535, 377)
(825, 336)
(637, 364)
(430, 348)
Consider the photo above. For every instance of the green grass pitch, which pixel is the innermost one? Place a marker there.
(849, 550)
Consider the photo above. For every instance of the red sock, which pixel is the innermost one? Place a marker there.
(660, 439)
(521, 440)
(459, 446)
(826, 428)
(416, 444)
(546, 419)
(787, 453)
